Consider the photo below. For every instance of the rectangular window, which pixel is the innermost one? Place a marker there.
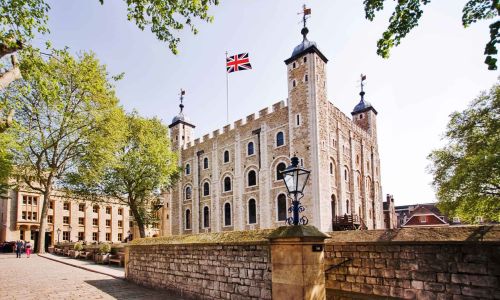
(81, 221)
(21, 234)
(130, 213)
(95, 209)
(120, 237)
(25, 199)
(66, 206)
(81, 207)
(120, 211)
(51, 205)
(95, 222)
(65, 220)
(108, 236)
(35, 200)
(81, 236)
(34, 216)
(94, 236)
(108, 223)
(298, 120)
(120, 223)
(130, 224)
(29, 215)
(108, 210)
(23, 215)
(66, 236)
(50, 219)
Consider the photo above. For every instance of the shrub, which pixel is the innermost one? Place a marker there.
(78, 247)
(104, 248)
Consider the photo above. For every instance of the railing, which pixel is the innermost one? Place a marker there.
(346, 222)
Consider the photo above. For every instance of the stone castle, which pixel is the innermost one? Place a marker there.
(231, 179)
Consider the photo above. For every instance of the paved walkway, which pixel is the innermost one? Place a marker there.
(40, 278)
(113, 270)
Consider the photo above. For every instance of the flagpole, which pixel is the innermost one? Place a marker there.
(227, 94)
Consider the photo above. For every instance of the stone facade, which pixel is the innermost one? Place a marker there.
(203, 271)
(341, 152)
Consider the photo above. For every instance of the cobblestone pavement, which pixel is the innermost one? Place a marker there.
(40, 278)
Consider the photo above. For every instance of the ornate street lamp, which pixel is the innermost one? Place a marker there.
(295, 178)
(58, 233)
(70, 228)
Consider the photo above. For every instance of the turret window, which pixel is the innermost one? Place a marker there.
(227, 214)
(250, 149)
(206, 189)
(227, 184)
(188, 219)
(305, 59)
(226, 156)
(294, 83)
(206, 217)
(252, 212)
(361, 116)
(294, 65)
(279, 169)
(297, 120)
(205, 163)
(188, 169)
(281, 205)
(252, 178)
(188, 193)
(306, 78)
(280, 139)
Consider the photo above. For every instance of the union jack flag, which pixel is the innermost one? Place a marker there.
(238, 62)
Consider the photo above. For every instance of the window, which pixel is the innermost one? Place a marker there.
(65, 220)
(21, 234)
(66, 236)
(361, 116)
(108, 210)
(294, 65)
(81, 207)
(120, 237)
(206, 217)
(252, 178)
(188, 219)
(227, 184)
(227, 214)
(188, 192)
(120, 211)
(331, 168)
(206, 189)
(25, 199)
(297, 120)
(305, 59)
(29, 215)
(81, 236)
(252, 212)
(81, 221)
(34, 216)
(50, 219)
(306, 78)
(294, 83)
(188, 169)
(51, 205)
(280, 139)
(66, 206)
(334, 206)
(280, 168)
(94, 236)
(281, 207)
(347, 206)
(35, 200)
(120, 223)
(23, 216)
(108, 223)
(95, 222)
(108, 236)
(346, 175)
(423, 219)
(131, 224)
(250, 150)
(95, 208)
(226, 156)
(205, 163)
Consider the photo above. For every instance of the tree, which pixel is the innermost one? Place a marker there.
(144, 167)
(67, 114)
(466, 172)
(407, 13)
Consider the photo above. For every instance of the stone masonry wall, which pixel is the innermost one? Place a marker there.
(409, 270)
(203, 271)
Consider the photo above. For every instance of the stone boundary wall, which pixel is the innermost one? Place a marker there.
(203, 271)
(413, 270)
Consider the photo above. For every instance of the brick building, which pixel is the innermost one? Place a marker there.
(231, 178)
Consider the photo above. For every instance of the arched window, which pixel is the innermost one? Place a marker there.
(306, 78)
(331, 168)
(226, 156)
(294, 83)
(188, 192)
(305, 59)
(334, 206)
(282, 207)
(252, 212)
(206, 189)
(205, 163)
(346, 178)
(280, 139)
(206, 217)
(227, 214)
(280, 168)
(252, 178)
(227, 184)
(188, 169)
(250, 150)
(188, 219)
(347, 206)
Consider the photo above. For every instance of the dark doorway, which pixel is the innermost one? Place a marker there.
(48, 241)
(34, 237)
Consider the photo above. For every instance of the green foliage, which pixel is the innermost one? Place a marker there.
(407, 13)
(104, 248)
(143, 167)
(466, 172)
(78, 246)
(21, 19)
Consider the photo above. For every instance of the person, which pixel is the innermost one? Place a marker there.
(19, 247)
(27, 246)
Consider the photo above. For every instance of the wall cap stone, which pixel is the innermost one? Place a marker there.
(298, 231)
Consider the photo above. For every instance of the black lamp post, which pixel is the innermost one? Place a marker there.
(58, 233)
(70, 228)
(295, 178)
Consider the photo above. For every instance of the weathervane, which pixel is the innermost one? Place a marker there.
(305, 13)
(181, 94)
(363, 78)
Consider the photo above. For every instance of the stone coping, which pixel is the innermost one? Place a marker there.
(427, 235)
(299, 231)
(248, 237)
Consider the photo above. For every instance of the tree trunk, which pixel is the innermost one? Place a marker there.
(142, 228)
(43, 221)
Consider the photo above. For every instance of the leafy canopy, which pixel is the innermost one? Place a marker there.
(407, 13)
(466, 172)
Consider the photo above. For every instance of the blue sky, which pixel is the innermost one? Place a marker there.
(436, 70)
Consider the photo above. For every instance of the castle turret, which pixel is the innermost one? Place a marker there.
(364, 114)
(181, 130)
